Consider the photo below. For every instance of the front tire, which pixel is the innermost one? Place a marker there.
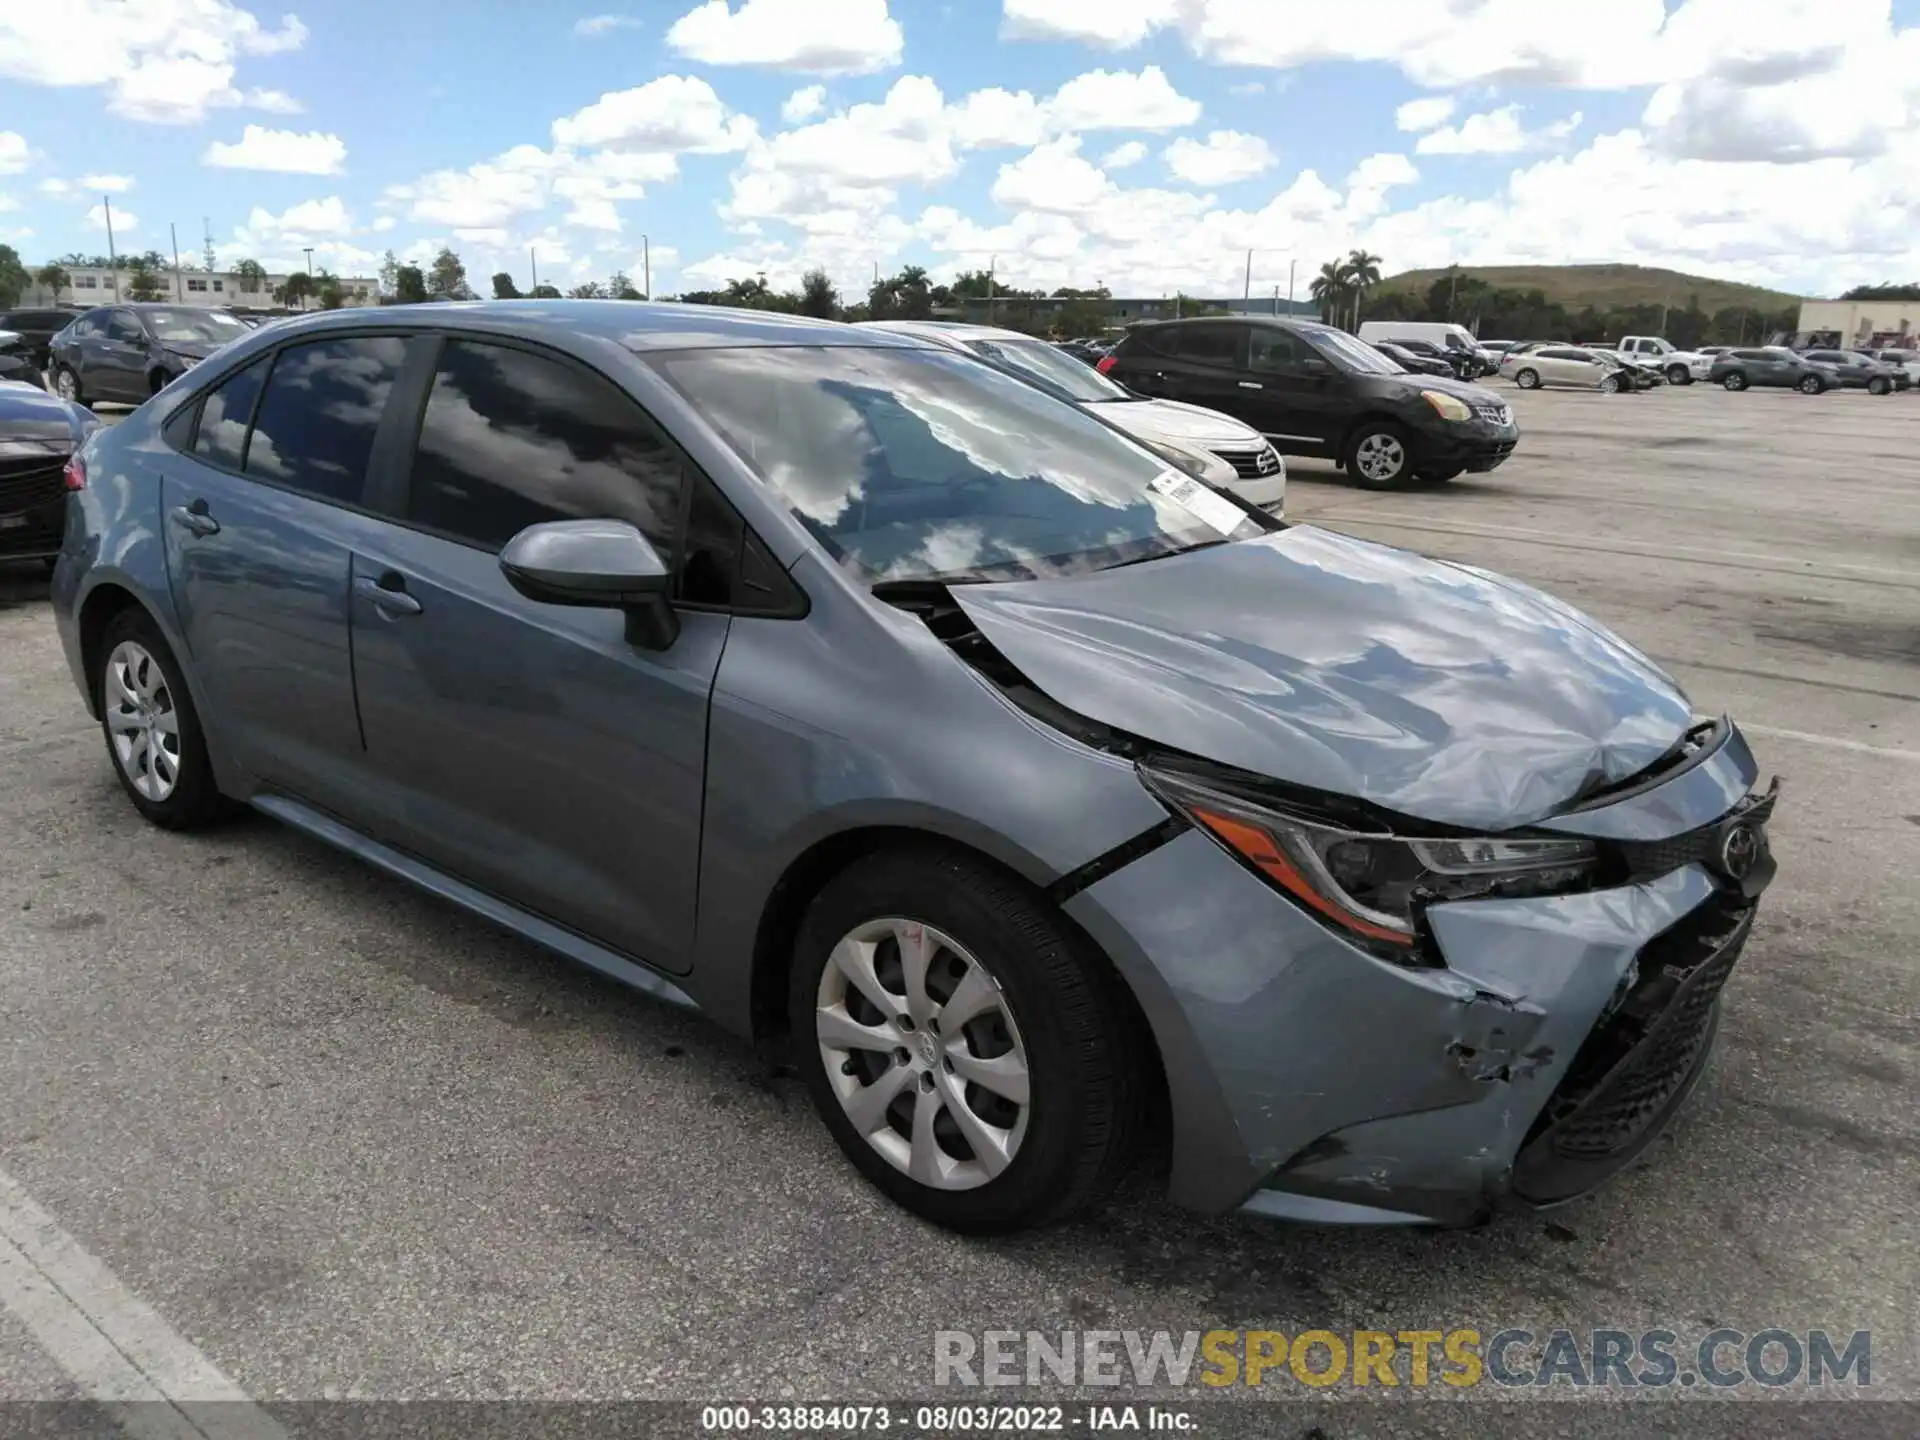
(1811, 385)
(66, 384)
(152, 730)
(1612, 385)
(1679, 375)
(1879, 385)
(1025, 1104)
(1736, 381)
(1378, 455)
(1527, 379)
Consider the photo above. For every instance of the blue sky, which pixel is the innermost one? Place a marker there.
(1145, 144)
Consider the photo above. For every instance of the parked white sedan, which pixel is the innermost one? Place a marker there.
(1565, 365)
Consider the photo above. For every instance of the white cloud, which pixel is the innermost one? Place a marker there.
(823, 37)
(1122, 100)
(123, 220)
(312, 153)
(277, 102)
(384, 223)
(324, 224)
(673, 113)
(483, 195)
(87, 185)
(804, 104)
(15, 153)
(591, 25)
(161, 60)
(995, 118)
(1225, 157)
(1132, 152)
(1115, 24)
(1495, 132)
(1425, 113)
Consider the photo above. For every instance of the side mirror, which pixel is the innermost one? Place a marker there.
(1314, 365)
(605, 564)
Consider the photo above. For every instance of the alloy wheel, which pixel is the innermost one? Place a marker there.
(143, 721)
(1380, 457)
(67, 386)
(920, 1048)
(1527, 379)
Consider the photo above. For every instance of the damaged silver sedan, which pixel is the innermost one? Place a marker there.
(1026, 794)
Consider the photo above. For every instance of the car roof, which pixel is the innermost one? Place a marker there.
(954, 330)
(635, 324)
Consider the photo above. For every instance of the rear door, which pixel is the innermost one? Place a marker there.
(261, 516)
(529, 748)
(1209, 367)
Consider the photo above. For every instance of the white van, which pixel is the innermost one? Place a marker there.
(1447, 336)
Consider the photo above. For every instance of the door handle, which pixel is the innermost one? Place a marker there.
(194, 518)
(388, 594)
(1251, 385)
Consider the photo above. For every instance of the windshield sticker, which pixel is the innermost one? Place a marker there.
(1206, 505)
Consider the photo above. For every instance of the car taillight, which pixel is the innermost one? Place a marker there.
(75, 472)
(1106, 363)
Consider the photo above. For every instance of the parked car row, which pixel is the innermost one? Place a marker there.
(1030, 798)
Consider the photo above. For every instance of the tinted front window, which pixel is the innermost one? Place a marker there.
(1273, 350)
(315, 425)
(222, 437)
(1052, 370)
(512, 439)
(913, 464)
(1351, 354)
(125, 328)
(196, 327)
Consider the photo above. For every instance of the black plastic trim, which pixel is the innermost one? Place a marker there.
(1118, 858)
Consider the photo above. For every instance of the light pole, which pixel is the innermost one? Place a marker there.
(1247, 293)
(303, 298)
(113, 258)
(646, 268)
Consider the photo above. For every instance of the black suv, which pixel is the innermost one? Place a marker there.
(1315, 390)
(128, 352)
(35, 328)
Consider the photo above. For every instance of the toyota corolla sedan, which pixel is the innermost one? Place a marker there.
(1026, 793)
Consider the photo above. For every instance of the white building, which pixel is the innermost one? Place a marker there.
(221, 290)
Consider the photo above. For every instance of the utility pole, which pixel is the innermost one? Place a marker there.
(1247, 293)
(113, 258)
(174, 234)
(1290, 265)
(646, 267)
(533, 263)
(1276, 300)
(993, 262)
(308, 295)
(206, 230)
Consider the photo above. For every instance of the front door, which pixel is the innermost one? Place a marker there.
(1297, 401)
(116, 360)
(259, 538)
(529, 748)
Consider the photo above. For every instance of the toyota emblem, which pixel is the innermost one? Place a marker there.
(1739, 850)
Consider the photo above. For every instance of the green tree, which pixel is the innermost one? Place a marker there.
(142, 283)
(545, 292)
(13, 276)
(1363, 273)
(589, 290)
(504, 288)
(1331, 290)
(817, 295)
(409, 285)
(447, 278)
(251, 274)
(619, 287)
(389, 275)
(1882, 292)
(296, 290)
(53, 277)
(326, 287)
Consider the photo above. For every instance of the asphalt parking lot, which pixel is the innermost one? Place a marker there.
(351, 1144)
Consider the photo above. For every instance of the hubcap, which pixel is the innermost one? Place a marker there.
(1380, 457)
(919, 1045)
(142, 721)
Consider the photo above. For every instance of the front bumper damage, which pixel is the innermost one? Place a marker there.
(1311, 1081)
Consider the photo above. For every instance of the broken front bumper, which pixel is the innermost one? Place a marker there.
(1310, 1080)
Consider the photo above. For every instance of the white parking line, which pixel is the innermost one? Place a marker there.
(113, 1345)
(1833, 742)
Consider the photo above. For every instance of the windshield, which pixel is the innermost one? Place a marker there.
(194, 327)
(1349, 353)
(1056, 373)
(924, 465)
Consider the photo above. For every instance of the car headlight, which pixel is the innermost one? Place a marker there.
(1448, 407)
(1371, 884)
(1200, 464)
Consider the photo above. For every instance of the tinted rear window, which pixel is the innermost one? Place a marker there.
(314, 429)
(222, 437)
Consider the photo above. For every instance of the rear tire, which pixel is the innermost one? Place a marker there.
(1057, 1033)
(1735, 381)
(1527, 379)
(1812, 385)
(1378, 455)
(152, 731)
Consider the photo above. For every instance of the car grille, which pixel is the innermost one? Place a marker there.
(1639, 1058)
(25, 487)
(1253, 464)
(1496, 411)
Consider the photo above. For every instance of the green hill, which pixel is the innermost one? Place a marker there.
(1603, 286)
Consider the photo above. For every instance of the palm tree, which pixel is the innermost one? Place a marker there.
(1363, 271)
(1330, 289)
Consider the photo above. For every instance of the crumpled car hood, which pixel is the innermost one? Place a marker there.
(1435, 690)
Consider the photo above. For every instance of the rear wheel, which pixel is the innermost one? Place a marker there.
(1737, 381)
(1809, 385)
(1377, 455)
(970, 1058)
(152, 731)
(1527, 379)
